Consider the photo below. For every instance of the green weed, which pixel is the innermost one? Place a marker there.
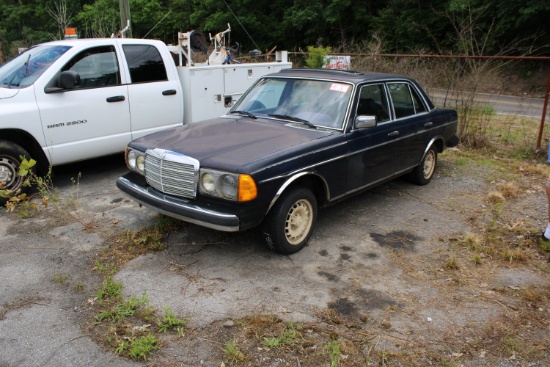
(110, 290)
(60, 278)
(288, 337)
(333, 348)
(232, 353)
(138, 347)
(169, 321)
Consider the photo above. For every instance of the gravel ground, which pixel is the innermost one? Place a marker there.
(376, 261)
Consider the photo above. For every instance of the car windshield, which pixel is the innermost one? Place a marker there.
(313, 103)
(28, 66)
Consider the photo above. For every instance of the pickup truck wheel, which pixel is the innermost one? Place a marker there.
(290, 223)
(423, 173)
(10, 161)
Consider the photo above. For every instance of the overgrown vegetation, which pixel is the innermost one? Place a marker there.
(405, 26)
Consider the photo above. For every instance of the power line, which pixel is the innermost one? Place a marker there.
(241, 24)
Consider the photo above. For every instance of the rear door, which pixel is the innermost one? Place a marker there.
(413, 123)
(156, 100)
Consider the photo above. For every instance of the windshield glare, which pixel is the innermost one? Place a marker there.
(27, 67)
(320, 102)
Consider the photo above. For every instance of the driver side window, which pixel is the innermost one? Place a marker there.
(97, 67)
(373, 102)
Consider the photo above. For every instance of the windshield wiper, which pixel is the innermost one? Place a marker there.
(295, 119)
(244, 113)
(17, 73)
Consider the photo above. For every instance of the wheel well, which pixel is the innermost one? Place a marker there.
(29, 143)
(313, 183)
(439, 145)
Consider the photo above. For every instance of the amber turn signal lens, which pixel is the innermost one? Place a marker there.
(247, 188)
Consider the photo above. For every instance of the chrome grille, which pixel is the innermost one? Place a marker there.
(172, 173)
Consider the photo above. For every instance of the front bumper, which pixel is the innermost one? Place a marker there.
(179, 208)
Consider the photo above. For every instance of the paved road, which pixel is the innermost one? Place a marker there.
(504, 105)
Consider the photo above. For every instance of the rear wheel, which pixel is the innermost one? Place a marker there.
(10, 161)
(290, 223)
(423, 173)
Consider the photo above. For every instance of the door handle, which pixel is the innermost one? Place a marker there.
(428, 124)
(394, 133)
(116, 99)
(169, 92)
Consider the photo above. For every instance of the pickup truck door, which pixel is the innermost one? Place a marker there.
(156, 99)
(93, 118)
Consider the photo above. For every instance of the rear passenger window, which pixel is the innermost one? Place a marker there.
(145, 63)
(406, 101)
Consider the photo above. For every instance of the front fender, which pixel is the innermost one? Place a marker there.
(295, 178)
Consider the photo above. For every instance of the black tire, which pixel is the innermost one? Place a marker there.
(290, 222)
(423, 173)
(10, 161)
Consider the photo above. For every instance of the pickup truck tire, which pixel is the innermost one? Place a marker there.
(10, 161)
(290, 223)
(423, 173)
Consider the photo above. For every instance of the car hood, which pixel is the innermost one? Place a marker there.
(234, 143)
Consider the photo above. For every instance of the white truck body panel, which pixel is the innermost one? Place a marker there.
(212, 90)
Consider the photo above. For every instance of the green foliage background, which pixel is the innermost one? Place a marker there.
(404, 26)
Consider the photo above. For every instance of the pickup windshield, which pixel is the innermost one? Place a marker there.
(28, 66)
(305, 101)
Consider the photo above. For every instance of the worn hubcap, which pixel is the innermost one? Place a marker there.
(298, 222)
(8, 173)
(429, 164)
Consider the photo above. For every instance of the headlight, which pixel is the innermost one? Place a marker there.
(208, 182)
(135, 160)
(229, 186)
(140, 163)
(131, 159)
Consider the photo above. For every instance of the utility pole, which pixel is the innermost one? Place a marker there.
(125, 17)
(1, 48)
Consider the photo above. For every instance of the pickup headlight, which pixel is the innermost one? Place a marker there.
(229, 186)
(135, 160)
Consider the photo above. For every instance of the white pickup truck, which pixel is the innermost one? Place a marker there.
(71, 100)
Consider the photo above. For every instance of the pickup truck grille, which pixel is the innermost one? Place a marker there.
(172, 173)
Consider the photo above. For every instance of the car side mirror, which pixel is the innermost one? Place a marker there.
(365, 121)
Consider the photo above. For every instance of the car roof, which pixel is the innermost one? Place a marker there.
(352, 76)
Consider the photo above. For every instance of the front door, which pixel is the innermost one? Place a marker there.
(95, 117)
(372, 151)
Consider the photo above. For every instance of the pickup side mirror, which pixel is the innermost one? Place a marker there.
(68, 79)
(65, 81)
(364, 121)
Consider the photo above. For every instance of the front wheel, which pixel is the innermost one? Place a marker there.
(423, 173)
(290, 223)
(10, 161)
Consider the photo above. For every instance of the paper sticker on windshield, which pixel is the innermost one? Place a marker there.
(339, 87)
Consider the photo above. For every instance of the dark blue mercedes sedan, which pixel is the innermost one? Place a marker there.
(295, 141)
